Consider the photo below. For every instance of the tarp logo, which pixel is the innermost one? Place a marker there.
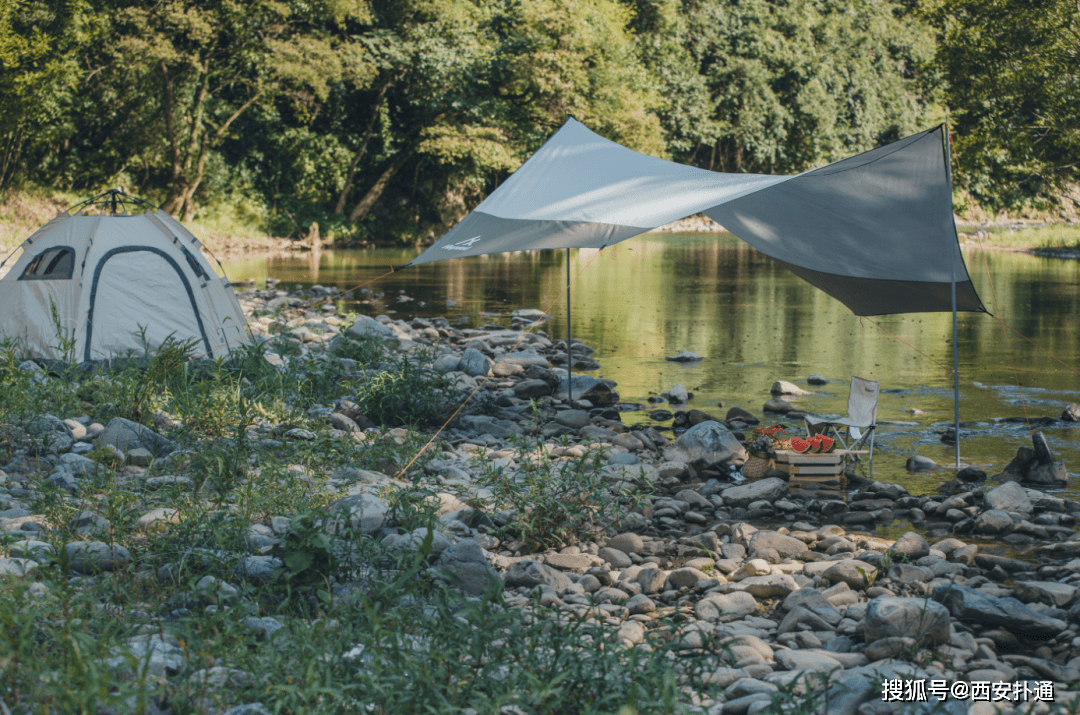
(463, 245)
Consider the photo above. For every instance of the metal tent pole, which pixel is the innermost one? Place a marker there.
(956, 361)
(569, 355)
(952, 267)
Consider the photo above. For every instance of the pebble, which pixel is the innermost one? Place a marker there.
(778, 571)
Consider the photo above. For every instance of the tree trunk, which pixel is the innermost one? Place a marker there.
(172, 199)
(12, 150)
(373, 194)
(339, 208)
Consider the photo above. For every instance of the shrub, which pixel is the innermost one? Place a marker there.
(558, 503)
(409, 394)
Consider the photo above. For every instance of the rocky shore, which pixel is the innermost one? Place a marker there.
(784, 579)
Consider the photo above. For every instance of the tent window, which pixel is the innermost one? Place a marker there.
(52, 264)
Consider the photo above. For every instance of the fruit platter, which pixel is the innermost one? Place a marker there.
(814, 456)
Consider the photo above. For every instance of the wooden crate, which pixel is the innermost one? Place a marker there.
(813, 465)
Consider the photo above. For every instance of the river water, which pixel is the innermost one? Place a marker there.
(754, 322)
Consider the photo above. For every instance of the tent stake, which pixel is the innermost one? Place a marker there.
(569, 355)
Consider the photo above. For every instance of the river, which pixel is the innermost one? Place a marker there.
(754, 322)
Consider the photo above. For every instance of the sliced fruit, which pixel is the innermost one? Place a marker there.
(828, 444)
(815, 443)
(800, 445)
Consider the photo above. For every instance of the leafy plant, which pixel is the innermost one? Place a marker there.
(408, 394)
(368, 351)
(558, 502)
(306, 551)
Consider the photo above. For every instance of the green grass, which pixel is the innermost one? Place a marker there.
(416, 644)
(1058, 236)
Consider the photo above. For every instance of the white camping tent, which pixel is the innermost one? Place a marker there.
(110, 277)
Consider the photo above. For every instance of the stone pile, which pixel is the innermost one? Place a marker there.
(788, 579)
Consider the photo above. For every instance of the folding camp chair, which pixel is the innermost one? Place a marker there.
(861, 420)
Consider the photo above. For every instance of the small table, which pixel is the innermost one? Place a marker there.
(809, 464)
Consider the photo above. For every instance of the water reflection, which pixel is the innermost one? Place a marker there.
(755, 322)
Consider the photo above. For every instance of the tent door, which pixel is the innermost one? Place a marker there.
(137, 287)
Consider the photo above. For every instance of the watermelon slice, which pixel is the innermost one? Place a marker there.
(815, 443)
(828, 444)
(800, 445)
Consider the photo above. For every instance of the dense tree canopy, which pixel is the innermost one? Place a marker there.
(392, 118)
(1012, 80)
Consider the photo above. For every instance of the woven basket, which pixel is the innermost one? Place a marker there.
(757, 465)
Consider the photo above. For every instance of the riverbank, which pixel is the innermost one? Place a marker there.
(228, 231)
(216, 529)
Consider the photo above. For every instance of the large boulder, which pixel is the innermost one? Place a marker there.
(526, 359)
(725, 607)
(923, 620)
(531, 389)
(786, 546)
(969, 604)
(125, 434)
(1053, 474)
(49, 435)
(368, 327)
(708, 444)
(910, 547)
(770, 490)
(1052, 593)
(533, 573)
(783, 387)
(92, 556)
(365, 512)
(597, 391)
(1010, 496)
(475, 363)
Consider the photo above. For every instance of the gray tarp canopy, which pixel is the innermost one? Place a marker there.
(875, 231)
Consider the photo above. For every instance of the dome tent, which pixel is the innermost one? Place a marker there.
(115, 280)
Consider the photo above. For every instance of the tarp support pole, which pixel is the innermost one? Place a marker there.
(947, 148)
(569, 355)
(956, 362)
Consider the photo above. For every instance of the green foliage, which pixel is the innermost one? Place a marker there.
(1012, 79)
(1046, 238)
(795, 84)
(407, 394)
(306, 551)
(556, 503)
(367, 351)
(386, 121)
(53, 651)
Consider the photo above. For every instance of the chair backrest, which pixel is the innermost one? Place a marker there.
(862, 401)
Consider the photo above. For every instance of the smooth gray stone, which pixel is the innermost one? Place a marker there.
(92, 556)
(475, 363)
(125, 434)
(467, 562)
(786, 546)
(365, 512)
(966, 603)
(771, 489)
(918, 618)
(529, 574)
(366, 326)
(1010, 496)
(911, 545)
(707, 444)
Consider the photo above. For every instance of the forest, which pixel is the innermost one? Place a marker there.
(388, 120)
